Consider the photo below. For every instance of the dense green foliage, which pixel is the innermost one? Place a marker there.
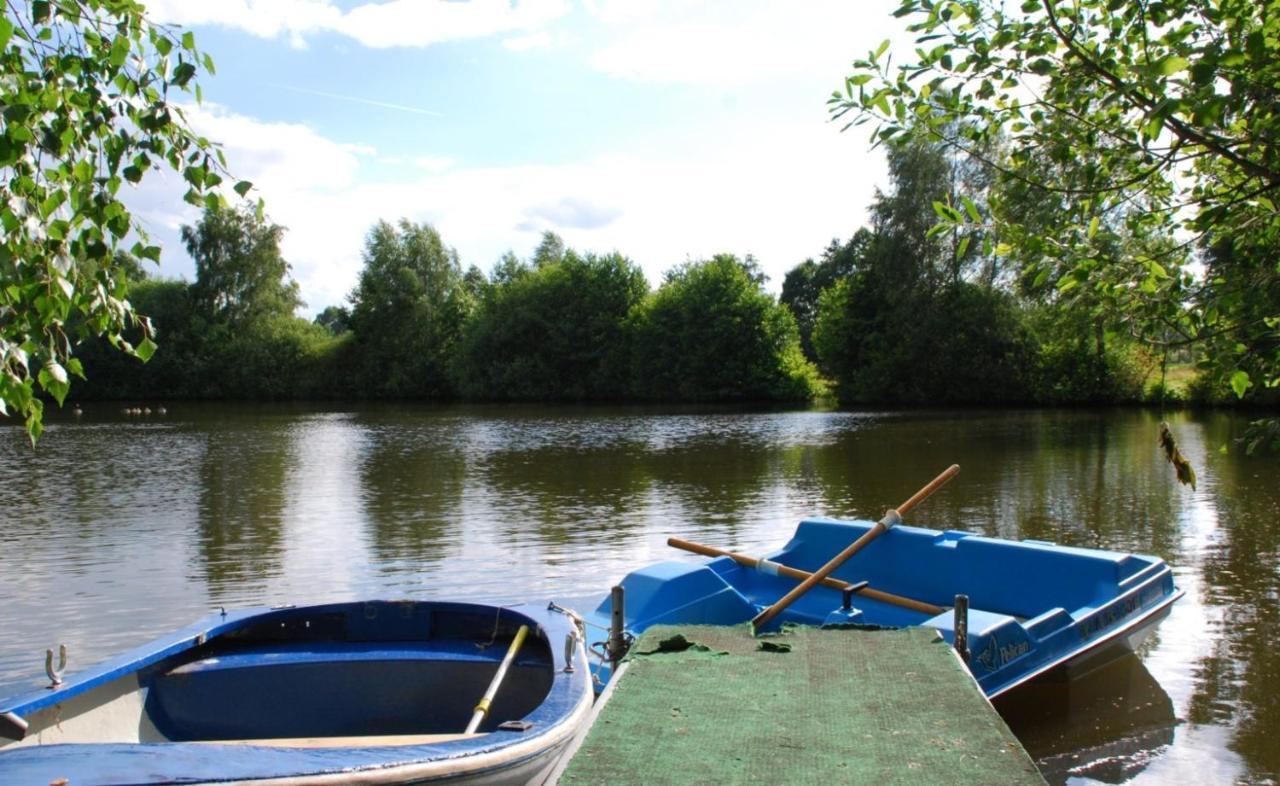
(553, 330)
(87, 89)
(711, 333)
(230, 334)
(562, 326)
(804, 284)
(1130, 139)
(925, 315)
(407, 311)
(241, 279)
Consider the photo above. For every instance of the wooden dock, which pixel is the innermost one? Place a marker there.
(704, 704)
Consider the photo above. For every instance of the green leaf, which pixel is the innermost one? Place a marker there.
(145, 349)
(243, 187)
(53, 378)
(1240, 383)
(1172, 65)
(971, 209)
(119, 51)
(6, 31)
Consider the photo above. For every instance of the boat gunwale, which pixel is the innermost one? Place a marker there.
(1152, 615)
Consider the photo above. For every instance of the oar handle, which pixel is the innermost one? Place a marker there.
(890, 518)
(924, 493)
(482, 708)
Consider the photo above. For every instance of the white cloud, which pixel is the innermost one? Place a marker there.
(778, 192)
(394, 23)
(263, 18)
(433, 164)
(525, 43)
(573, 212)
(718, 43)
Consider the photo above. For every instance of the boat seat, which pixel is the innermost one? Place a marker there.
(326, 690)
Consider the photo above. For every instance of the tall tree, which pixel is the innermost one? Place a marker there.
(89, 90)
(1149, 112)
(408, 310)
(554, 332)
(711, 333)
(240, 274)
(920, 320)
(804, 284)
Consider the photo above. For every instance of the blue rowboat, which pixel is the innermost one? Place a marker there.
(367, 693)
(1033, 606)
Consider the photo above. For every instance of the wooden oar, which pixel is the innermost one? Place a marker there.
(891, 518)
(482, 709)
(767, 566)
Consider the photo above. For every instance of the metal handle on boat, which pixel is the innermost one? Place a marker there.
(482, 709)
(55, 675)
(892, 517)
(570, 649)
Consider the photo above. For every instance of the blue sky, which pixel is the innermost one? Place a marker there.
(664, 130)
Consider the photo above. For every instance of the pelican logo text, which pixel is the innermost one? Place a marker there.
(1004, 652)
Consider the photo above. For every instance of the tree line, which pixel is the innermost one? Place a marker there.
(900, 313)
(561, 325)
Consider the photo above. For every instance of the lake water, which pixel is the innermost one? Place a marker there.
(119, 528)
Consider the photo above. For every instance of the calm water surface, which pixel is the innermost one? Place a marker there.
(118, 529)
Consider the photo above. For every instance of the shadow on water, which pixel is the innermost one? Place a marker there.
(1106, 725)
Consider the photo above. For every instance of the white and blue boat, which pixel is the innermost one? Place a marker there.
(1033, 607)
(394, 692)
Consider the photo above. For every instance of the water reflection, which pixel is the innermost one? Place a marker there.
(118, 529)
(242, 483)
(413, 476)
(1107, 725)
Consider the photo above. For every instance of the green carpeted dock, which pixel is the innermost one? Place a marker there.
(703, 704)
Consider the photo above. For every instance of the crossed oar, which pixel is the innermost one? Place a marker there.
(891, 518)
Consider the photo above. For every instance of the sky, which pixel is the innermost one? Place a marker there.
(666, 131)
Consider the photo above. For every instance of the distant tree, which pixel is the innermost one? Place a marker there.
(920, 319)
(507, 269)
(805, 283)
(89, 91)
(554, 332)
(711, 333)
(550, 250)
(241, 276)
(408, 310)
(335, 319)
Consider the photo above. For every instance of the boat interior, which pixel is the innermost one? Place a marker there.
(349, 674)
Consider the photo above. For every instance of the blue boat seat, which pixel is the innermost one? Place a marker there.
(341, 689)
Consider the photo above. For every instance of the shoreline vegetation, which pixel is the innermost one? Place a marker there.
(866, 324)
